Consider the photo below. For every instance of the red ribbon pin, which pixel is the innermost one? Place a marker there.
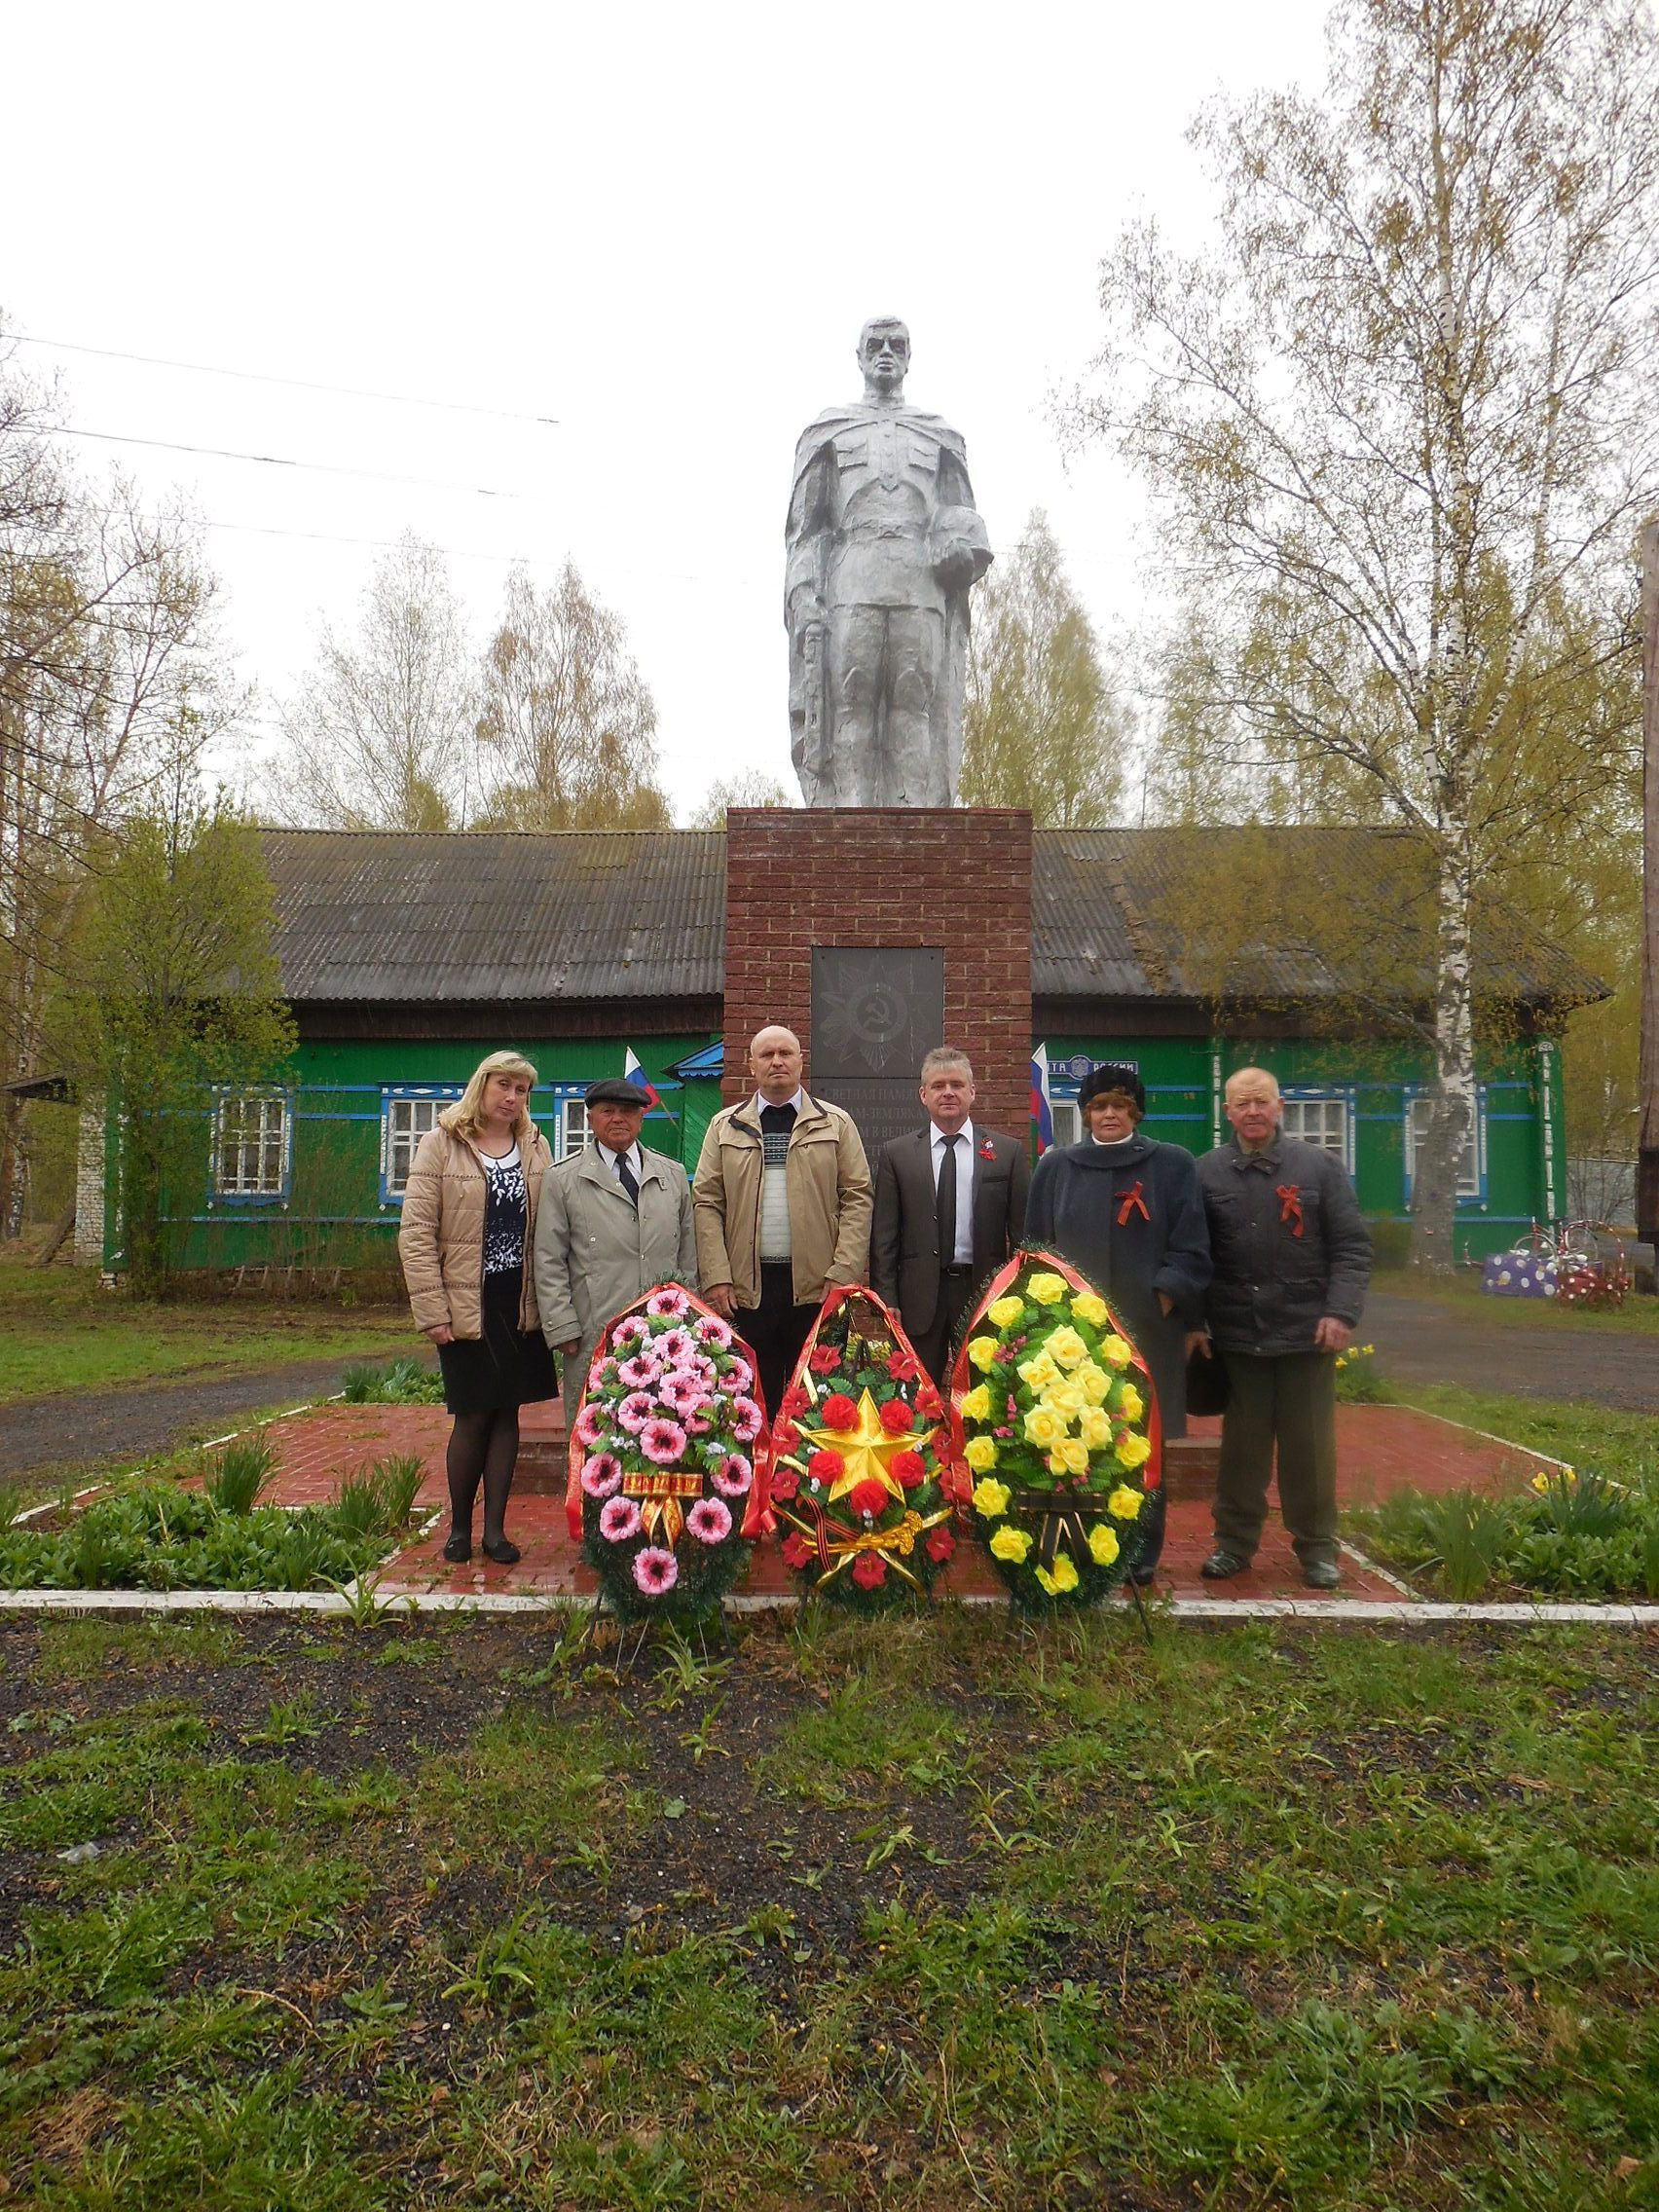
(1290, 1206)
(1132, 1202)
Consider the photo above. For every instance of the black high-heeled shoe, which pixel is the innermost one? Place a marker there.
(459, 1549)
(503, 1550)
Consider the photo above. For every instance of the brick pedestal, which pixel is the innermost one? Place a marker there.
(957, 879)
(543, 1465)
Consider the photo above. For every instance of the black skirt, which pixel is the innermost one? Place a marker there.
(506, 1365)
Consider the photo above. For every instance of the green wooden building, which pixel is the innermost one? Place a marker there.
(406, 957)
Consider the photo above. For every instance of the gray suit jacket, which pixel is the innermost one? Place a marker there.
(904, 1240)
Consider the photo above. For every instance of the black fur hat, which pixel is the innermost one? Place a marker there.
(1114, 1075)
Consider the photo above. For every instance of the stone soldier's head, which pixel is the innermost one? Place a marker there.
(884, 356)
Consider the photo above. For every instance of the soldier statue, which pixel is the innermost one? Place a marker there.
(883, 548)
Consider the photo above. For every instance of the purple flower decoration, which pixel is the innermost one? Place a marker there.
(640, 1372)
(709, 1521)
(697, 1421)
(733, 1476)
(736, 1375)
(590, 1426)
(670, 1301)
(714, 1331)
(675, 1347)
(631, 1330)
(601, 1474)
(635, 1411)
(746, 1419)
(664, 1442)
(655, 1571)
(620, 1520)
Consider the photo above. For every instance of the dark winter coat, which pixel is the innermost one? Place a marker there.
(1132, 1221)
(1288, 1243)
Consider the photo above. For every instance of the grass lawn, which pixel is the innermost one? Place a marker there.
(1463, 1294)
(933, 1915)
(63, 1333)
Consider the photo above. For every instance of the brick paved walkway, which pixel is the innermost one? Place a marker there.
(1379, 1449)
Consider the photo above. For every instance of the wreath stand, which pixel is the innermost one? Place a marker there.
(649, 1622)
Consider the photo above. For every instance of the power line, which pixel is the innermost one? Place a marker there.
(294, 383)
(271, 461)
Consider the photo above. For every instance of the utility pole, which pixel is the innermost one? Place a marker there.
(1647, 1158)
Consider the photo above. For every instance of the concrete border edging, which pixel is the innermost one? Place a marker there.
(408, 1603)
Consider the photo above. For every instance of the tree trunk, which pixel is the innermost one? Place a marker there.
(1452, 1110)
(1647, 1156)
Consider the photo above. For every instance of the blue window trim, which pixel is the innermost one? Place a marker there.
(389, 1092)
(1347, 1093)
(225, 1095)
(1469, 1202)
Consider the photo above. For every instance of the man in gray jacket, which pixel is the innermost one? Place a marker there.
(1292, 1259)
(614, 1219)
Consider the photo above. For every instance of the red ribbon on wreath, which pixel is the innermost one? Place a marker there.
(963, 1379)
(757, 1518)
(1130, 1202)
(1289, 1195)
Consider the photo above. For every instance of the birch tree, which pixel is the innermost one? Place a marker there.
(569, 722)
(1042, 727)
(381, 731)
(110, 684)
(1399, 424)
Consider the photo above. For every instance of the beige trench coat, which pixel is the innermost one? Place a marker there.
(595, 1254)
(828, 1178)
(440, 1239)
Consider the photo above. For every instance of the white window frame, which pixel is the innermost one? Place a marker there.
(1068, 1122)
(1339, 1095)
(571, 1125)
(261, 1191)
(1469, 1193)
(437, 1095)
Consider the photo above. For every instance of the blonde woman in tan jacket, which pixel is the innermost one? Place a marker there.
(468, 1218)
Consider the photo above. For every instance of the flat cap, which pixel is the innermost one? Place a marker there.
(614, 1091)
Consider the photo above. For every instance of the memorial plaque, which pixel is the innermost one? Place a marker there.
(877, 1011)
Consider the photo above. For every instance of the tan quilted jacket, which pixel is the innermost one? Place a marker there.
(441, 1240)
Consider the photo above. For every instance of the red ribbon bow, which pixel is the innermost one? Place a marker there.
(1290, 1206)
(1132, 1202)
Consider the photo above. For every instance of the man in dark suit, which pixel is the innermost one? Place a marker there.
(949, 1207)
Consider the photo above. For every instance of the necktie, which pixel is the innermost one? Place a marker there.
(944, 1204)
(626, 1177)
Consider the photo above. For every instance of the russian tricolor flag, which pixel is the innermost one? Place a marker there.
(633, 1073)
(1041, 1105)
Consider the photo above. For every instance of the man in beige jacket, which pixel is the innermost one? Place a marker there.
(614, 1219)
(782, 1199)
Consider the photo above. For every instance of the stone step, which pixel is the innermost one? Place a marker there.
(1191, 1465)
(543, 1462)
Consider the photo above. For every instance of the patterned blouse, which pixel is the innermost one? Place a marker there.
(506, 1214)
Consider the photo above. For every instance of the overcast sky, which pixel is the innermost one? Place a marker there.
(661, 226)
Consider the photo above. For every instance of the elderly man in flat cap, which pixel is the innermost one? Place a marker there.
(614, 1219)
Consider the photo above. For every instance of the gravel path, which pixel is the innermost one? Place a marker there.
(129, 1424)
(1422, 1342)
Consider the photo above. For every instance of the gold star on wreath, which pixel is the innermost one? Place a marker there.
(864, 1451)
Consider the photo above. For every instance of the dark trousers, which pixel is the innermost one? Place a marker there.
(1290, 1402)
(775, 1330)
(933, 1343)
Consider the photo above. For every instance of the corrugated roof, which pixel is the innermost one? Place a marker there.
(395, 916)
(388, 917)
